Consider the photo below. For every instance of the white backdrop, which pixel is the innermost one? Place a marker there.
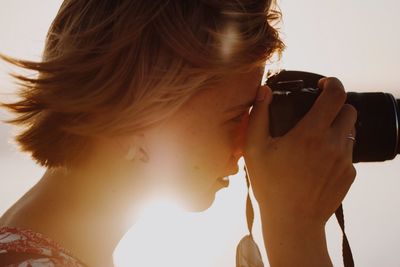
(354, 40)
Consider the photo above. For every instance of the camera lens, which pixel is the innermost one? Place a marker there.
(376, 127)
(378, 114)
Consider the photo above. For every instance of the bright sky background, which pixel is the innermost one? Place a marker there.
(355, 40)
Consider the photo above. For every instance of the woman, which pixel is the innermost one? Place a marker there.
(142, 98)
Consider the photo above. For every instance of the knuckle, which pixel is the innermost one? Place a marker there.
(336, 89)
(351, 172)
(350, 110)
(333, 81)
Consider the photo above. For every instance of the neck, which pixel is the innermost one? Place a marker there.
(87, 212)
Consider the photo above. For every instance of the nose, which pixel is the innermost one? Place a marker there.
(237, 155)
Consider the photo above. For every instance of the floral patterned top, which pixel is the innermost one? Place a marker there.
(26, 248)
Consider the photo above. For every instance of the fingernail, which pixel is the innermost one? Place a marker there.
(261, 93)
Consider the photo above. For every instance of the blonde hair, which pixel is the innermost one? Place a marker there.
(111, 68)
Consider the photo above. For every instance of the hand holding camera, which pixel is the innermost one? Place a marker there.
(300, 178)
(378, 120)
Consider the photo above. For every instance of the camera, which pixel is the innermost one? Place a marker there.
(378, 114)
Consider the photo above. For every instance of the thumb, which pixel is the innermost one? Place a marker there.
(258, 125)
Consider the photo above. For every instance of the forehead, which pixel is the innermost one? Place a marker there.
(217, 100)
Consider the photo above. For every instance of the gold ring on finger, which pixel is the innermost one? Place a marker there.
(351, 137)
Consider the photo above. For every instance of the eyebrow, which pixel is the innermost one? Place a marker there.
(246, 105)
(243, 106)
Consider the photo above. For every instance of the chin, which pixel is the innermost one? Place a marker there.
(199, 204)
(201, 198)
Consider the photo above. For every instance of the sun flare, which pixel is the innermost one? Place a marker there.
(166, 235)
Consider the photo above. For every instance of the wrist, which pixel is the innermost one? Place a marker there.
(293, 229)
(295, 217)
(294, 241)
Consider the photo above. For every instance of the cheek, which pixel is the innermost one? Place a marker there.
(238, 135)
(208, 154)
(242, 131)
(195, 152)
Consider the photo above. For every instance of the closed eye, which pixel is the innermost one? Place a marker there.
(239, 117)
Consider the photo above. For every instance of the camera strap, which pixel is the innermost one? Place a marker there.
(346, 250)
(247, 252)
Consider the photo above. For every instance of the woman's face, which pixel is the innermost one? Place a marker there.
(202, 142)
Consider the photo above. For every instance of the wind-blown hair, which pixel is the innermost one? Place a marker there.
(117, 67)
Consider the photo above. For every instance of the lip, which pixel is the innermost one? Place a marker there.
(223, 182)
(234, 171)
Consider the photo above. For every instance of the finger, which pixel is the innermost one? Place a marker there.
(345, 120)
(349, 146)
(343, 130)
(326, 107)
(258, 125)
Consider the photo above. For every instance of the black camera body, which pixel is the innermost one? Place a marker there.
(378, 114)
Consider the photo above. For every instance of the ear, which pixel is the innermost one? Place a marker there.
(143, 150)
(135, 147)
(131, 153)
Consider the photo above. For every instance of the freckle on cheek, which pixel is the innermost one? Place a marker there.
(196, 167)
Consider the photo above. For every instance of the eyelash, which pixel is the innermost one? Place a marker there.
(238, 118)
